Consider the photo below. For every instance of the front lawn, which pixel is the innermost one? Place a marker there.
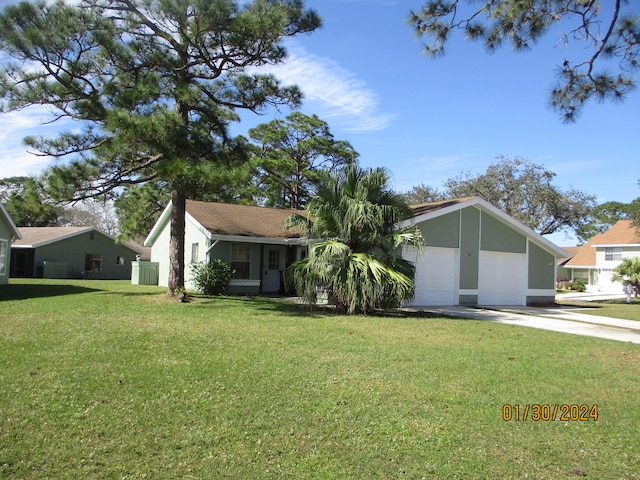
(109, 380)
(614, 308)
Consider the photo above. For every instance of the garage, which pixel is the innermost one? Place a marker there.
(436, 276)
(501, 277)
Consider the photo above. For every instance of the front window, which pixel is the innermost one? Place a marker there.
(93, 263)
(274, 260)
(241, 260)
(612, 254)
(194, 252)
(120, 261)
(4, 247)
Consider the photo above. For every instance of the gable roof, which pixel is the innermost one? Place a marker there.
(424, 208)
(9, 221)
(231, 220)
(427, 211)
(34, 237)
(623, 233)
(241, 220)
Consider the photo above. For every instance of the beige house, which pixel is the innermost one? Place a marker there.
(596, 260)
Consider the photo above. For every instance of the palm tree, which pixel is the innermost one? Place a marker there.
(355, 257)
(628, 272)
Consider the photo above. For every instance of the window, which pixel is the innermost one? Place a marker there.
(4, 247)
(612, 254)
(93, 263)
(274, 260)
(241, 260)
(580, 275)
(194, 252)
(120, 261)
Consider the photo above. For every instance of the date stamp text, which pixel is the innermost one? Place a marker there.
(550, 413)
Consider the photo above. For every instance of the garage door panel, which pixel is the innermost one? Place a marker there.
(500, 279)
(436, 276)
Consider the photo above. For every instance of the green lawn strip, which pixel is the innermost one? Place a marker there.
(614, 308)
(110, 380)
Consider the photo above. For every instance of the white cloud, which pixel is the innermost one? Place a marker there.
(333, 92)
(15, 160)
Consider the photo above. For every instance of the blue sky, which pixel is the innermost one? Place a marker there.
(428, 120)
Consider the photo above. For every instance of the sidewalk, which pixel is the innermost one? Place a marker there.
(558, 319)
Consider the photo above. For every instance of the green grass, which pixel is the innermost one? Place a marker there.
(105, 380)
(614, 308)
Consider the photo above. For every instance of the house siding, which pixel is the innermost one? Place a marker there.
(442, 231)
(541, 268)
(475, 234)
(72, 252)
(5, 235)
(498, 237)
(160, 254)
(469, 250)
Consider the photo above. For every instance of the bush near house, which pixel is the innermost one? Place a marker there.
(211, 278)
(579, 285)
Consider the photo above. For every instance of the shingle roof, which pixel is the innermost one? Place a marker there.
(423, 208)
(241, 220)
(622, 233)
(572, 251)
(36, 236)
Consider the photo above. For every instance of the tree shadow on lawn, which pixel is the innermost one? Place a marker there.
(27, 291)
(292, 307)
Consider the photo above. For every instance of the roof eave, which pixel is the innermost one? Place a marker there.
(496, 212)
(614, 245)
(49, 241)
(157, 228)
(9, 220)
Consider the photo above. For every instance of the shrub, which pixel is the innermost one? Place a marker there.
(579, 285)
(211, 278)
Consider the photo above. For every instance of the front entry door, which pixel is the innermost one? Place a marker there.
(19, 261)
(274, 263)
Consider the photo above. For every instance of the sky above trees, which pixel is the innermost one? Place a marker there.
(428, 120)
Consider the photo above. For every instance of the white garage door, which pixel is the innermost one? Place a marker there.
(436, 276)
(606, 285)
(501, 278)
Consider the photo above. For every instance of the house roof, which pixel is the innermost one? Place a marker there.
(424, 208)
(623, 233)
(426, 211)
(9, 222)
(241, 220)
(261, 222)
(34, 237)
(572, 252)
(231, 220)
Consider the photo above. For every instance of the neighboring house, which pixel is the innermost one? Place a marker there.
(252, 239)
(71, 252)
(474, 254)
(596, 260)
(8, 233)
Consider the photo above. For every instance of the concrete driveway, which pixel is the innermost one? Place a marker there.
(558, 319)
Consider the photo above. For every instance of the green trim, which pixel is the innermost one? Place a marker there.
(469, 248)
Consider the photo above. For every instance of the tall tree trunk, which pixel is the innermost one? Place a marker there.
(176, 242)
